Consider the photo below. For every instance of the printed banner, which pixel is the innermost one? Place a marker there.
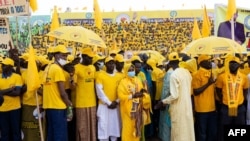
(6, 40)
(149, 16)
(243, 17)
(13, 7)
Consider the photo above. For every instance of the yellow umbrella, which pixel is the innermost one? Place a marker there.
(78, 34)
(213, 45)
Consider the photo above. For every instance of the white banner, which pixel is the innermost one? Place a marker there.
(5, 37)
(13, 7)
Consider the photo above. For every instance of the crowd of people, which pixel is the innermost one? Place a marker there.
(93, 97)
(116, 96)
(170, 35)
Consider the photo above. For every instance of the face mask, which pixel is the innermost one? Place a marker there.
(131, 73)
(80, 60)
(62, 62)
(100, 65)
(149, 70)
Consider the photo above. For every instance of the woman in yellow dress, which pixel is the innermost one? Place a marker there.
(134, 105)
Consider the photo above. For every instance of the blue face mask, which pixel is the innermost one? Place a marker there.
(131, 73)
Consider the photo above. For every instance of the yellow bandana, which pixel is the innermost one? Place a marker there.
(233, 89)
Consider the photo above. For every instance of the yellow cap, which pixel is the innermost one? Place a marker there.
(25, 56)
(173, 56)
(88, 51)
(234, 59)
(42, 60)
(203, 57)
(50, 50)
(160, 63)
(112, 52)
(119, 58)
(135, 57)
(8, 61)
(151, 62)
(97, 58)
(109, 58)
(60, 49)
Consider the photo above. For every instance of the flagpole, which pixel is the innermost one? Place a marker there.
(37, 104)
(39, 118)
(232, 28)
(17, 32)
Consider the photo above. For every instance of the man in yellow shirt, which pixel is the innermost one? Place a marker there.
(204, 100)
(232, 88)
(119, 65)
(108, 113)
(85, 97)
(55, 98)
(10, 110)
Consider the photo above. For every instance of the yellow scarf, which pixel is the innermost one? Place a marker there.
(233, 89)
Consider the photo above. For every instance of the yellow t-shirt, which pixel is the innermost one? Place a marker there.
(10, 102)
(120, 75)
(51, 96)
(110, 84)
(204, 102)
(67, 80)
(85, 88)
(157, 76)
(221, 83)
(29, 97)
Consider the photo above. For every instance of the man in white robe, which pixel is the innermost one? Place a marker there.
(181, 114)
(108, 115)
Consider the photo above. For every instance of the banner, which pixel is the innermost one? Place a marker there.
(6, 40)
(243, 17)
(127, 16)
(13, 7)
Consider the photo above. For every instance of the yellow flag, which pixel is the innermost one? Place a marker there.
(206, 26)
(196, 34)
(231, 9)
(55, 20)
(33, 76)
(97, 15)
(33, 5)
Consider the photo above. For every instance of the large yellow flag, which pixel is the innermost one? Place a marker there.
(196, 34)
(231, 9)
(206, 26)
(97, 15)
(33, 5)
(54, 20)
(33, 82)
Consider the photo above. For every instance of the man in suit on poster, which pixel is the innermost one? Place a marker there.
(224, 30)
